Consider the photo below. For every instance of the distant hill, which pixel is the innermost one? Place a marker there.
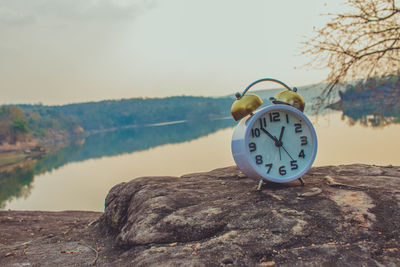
(114, 114)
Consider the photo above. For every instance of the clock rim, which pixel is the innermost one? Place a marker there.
(249, 122)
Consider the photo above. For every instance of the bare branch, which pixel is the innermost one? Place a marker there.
(358, 44)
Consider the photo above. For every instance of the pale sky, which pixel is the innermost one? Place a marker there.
(66, 51)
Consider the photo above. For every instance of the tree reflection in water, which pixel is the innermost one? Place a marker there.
(371, 104)
(15, 182)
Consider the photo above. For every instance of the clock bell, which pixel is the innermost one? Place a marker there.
(246, 104)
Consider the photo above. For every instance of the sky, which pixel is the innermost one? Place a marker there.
(66, 51)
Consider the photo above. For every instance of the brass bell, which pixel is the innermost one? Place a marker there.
(292, 98)
(245, 105)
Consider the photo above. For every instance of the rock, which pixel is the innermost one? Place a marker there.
(43, 238)
(343, 216)
(313, 192)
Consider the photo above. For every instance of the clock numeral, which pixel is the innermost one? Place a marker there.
(303, 140)
(259, 159)
(297, 128)
(282, 170)
(293, 165)
(263, 122)
(270, 166)
(274, 117)
(301, 154)
(252, 147)
(255, 132)
(287, 118)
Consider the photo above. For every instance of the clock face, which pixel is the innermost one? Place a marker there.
(281, 144)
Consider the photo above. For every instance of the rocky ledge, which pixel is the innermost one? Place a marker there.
(342, 216)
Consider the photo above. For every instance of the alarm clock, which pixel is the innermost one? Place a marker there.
(276, 143)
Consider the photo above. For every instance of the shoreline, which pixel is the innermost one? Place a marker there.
(21, 151)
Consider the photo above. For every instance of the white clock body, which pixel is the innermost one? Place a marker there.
(278, 143)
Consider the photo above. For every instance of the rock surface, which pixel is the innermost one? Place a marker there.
(42, 238)
(343, 216)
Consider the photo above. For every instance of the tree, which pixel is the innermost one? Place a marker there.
(360, 44)
(19, 130)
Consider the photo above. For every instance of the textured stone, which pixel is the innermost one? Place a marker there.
(343, 216)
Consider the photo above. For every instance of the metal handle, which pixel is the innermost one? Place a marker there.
(238, 95)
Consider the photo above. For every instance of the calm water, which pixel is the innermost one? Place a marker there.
(79, 176)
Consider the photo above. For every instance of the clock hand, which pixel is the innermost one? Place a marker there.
(280, 142)
(281, 135)
(280, 158)
(277, 143)
(287, 152)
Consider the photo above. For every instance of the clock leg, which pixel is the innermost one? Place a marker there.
(301, 181)
(260, 183)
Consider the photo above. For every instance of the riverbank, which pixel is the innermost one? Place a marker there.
(343, 216)
(12, 154)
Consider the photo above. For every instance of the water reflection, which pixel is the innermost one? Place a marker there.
(16, 182)
(143, 138)
(370, 106)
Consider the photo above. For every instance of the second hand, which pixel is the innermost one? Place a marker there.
(287, 152)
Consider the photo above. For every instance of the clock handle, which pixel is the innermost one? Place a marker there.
(245, 104)
(238, 95)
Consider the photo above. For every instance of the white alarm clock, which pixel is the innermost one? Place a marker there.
(277, 143)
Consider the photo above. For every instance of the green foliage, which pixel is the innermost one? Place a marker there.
(13, 125)
(18, 130)
(20, 126)
(45, 120)
(18, 123)
(110, 114)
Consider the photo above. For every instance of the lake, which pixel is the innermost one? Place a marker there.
(78, 176)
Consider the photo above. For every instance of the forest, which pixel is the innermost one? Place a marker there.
(109, 114)
(24, 122)
(39, 122)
